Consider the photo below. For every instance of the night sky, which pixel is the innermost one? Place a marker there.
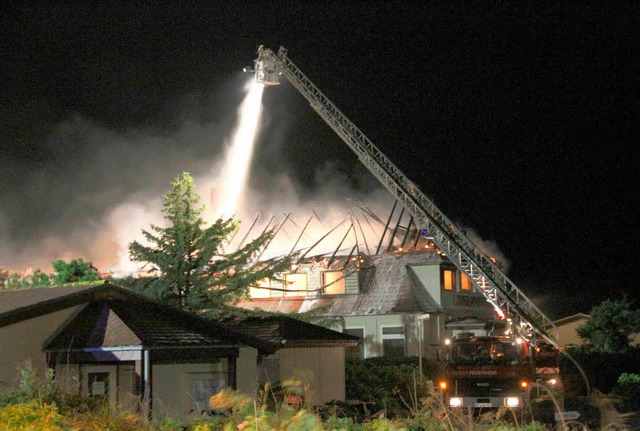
(519, 120)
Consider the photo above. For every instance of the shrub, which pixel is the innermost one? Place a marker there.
(31, 417)
(602, 368)
(388, 384)
(628, 392)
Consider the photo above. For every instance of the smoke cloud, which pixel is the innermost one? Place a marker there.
(98, 187)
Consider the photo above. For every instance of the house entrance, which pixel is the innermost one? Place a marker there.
(100, 382)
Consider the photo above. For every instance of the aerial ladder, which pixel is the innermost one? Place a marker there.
(508, 300)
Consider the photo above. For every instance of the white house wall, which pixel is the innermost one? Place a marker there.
(24, 340)
(373, 331)
(429, 276)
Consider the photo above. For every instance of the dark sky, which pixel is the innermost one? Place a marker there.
(518, 119)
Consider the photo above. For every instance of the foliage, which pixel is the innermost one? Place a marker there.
(386, 383)
(33, 280)
(602, 368)
(31, 416)
(171, 424)
(31, 386)
(610, 325)
(628, 392)
(628, 378)
(77, 270)
(187, 257)
(100, 421)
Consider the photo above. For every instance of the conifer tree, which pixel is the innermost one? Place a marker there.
(187, 257)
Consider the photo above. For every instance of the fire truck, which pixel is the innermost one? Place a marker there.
(487, 372)
(527, 323)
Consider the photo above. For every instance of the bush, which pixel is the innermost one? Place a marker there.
(388, 384)
(628, 392)
(31, 417)
(602, 368)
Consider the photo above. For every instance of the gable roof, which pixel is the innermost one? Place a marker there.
(118, 317)
(284, 331)
(573, 318)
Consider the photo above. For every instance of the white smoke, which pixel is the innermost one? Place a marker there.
(109, 201)
(488, 247)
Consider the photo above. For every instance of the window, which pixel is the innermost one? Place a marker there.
(333, 282)
(260, 290)
(448, 279)
(393, 341)
(465, 282)
(295, 284)
(357, 351)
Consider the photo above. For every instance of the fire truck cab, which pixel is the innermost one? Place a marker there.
(487, 371)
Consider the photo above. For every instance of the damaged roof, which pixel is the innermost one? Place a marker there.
(387, 285)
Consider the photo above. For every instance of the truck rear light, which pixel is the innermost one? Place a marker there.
(512, 402)
(455, 402)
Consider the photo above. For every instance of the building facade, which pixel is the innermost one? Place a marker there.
(399, 303)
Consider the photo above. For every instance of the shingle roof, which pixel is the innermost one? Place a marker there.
(115, 315)
(285, 332)
(12, 301)
(116, 322)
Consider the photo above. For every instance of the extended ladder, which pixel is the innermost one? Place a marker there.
(498, 289)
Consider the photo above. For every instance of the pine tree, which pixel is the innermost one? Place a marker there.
(187, 257)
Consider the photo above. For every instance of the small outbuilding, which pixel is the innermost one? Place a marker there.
(108, 342)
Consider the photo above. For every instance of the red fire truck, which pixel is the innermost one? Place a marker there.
(487, 371)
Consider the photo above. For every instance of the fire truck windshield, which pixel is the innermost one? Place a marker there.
(484, 352)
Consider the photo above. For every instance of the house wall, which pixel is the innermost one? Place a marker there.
(429, 276)
(322, 368)
(24, 341)
(567, 332)
(247, 371)
(430, 328)
(182, 391)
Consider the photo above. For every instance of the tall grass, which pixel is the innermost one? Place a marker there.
(36, 405)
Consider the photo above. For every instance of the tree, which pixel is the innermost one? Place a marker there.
(77, 270)
(34, 279)
(187, 258)
(610, 325)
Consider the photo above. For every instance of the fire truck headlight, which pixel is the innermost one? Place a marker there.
(455, 402)
(512, 402)
(552, 382)
(524, 384)
(443, 385)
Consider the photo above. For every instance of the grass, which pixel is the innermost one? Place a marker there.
(37, 406)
